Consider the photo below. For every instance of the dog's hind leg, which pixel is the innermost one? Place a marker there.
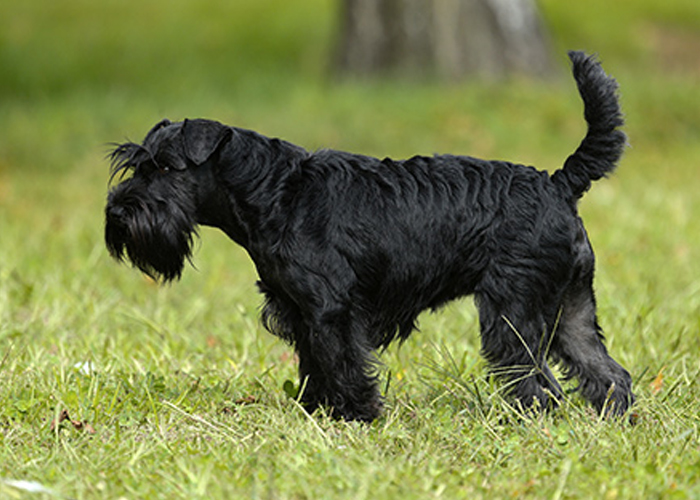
(578, 343)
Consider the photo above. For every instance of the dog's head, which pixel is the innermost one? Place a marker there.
(151, 216)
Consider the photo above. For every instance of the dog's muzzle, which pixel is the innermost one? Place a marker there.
(154, 236)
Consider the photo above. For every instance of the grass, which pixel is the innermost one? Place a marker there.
(177, 392)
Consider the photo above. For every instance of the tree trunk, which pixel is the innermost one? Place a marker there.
(448, 38)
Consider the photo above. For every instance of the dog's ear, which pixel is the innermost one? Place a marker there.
(201, 138)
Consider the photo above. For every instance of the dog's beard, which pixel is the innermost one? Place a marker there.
(156, 239)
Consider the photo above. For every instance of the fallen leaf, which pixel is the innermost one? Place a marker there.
(248, 400)
(61, 417)
(658, 383)
(77, 424)
(231, 409)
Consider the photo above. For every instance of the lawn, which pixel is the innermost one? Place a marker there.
(114, 387)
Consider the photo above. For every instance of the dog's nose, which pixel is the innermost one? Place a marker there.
(116, 212)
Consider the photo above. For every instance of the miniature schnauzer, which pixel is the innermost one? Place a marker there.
(350, 249)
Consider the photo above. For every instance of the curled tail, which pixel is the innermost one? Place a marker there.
(600, 150)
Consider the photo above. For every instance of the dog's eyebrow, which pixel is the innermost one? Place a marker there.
(124, 158)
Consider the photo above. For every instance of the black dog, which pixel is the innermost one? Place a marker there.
(350, 249)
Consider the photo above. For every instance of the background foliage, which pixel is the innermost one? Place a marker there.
(112, 387)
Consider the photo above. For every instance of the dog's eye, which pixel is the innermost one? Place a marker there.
(149, 167)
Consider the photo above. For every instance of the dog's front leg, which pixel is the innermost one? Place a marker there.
(516, 341)
(336, 369)
(336, 361)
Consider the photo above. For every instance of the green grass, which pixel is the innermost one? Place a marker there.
(179, 390)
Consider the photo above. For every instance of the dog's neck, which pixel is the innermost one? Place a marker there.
(254, 164)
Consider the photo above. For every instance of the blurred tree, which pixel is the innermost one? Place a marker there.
(450, 38)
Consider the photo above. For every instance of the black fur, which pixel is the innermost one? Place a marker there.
(350, 249)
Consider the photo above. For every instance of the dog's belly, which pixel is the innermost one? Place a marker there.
(401, 289)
